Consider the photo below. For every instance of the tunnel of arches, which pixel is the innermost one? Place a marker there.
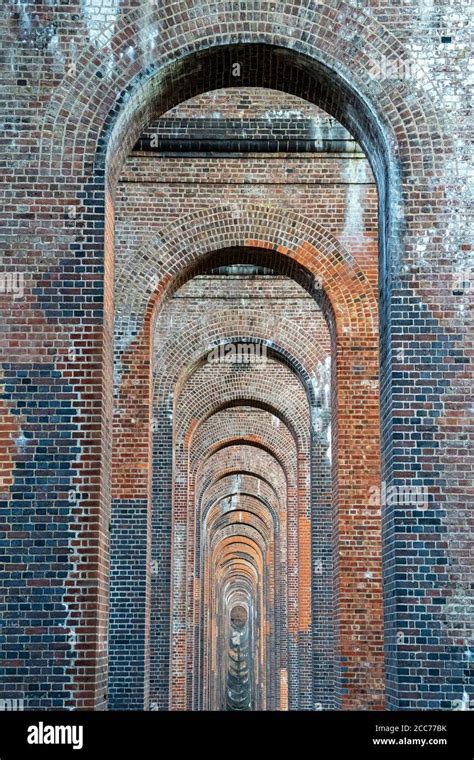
(239, 471)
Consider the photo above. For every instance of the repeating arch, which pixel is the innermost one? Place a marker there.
(170, 257)
(365, 40)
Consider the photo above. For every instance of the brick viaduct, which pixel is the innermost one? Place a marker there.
(235, 458)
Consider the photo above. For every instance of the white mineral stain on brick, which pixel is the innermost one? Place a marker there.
(54, 48)
(125, 333)
(149, 33)
(100, 21)
(25, 20)
(354, 172)
(284, 114)
(236, 486)
(178, 573)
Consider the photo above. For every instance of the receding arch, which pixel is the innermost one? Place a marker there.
(290, 242)
(358, 317)
(349, 301)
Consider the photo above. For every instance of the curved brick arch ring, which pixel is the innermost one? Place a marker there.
(286, 463)
(253, 505)
(223, 466)
(229, 528)
(343, 44)
(263, 536)
(212, 507)
(224, 487)
(282, 354)
(256, 477)
(227, 389)
(185, 347)
(208, 477)
(228, 486)
(290, 242)
(276, 352)
(257, 511)
(259, 436)
(247, 469)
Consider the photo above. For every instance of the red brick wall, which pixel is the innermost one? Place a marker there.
(78, 84)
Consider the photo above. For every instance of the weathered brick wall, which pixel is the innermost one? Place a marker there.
(81, 80)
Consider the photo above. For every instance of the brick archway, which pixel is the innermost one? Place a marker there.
(327, 49)
(304, 251)
(370, 136)
(410, 148)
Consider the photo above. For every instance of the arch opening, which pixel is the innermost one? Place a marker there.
(343, 291)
